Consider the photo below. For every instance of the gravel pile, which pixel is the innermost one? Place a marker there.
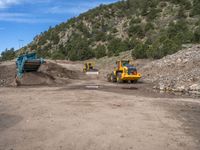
(179, 72)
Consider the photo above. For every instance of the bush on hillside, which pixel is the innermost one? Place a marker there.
(57, 55)
(100, 51)
(136, 30)
(196, 37)
(163, 47)
(8, 54)
(116, 46)
(153, 14)
(195, 8)
(140, 51)
(181, 13)
(179, 30)
(156, 50)
(44, 53)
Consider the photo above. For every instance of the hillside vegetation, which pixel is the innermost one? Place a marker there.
(150, 28)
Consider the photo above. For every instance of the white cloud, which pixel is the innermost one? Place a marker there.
(24, 18)
(7, 3)
(63, 10)
(30, 20)
(8, 15)
(42, 14)
(73, 8)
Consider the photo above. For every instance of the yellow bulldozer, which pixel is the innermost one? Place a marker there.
(124, 72)
(89, 68)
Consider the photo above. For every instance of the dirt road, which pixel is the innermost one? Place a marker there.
(76, 117)
(91, 114)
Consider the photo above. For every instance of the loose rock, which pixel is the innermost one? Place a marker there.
(179, 72)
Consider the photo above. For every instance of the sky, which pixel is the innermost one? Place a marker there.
(22, 20)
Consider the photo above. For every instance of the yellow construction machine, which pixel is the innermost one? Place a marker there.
(124, 72)
(89, 68)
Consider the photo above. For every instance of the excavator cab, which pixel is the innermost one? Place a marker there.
(28, 63)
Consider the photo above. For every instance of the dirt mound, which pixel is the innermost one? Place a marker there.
(179, 72)
(58, 71)
(36, 78)
(48, 74)
(7, 74)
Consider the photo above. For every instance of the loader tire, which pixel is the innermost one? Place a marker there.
(112, 77)
(109, 77)
(134, 81)
(119, 75)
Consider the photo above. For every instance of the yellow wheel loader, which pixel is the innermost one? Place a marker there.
(124, 72)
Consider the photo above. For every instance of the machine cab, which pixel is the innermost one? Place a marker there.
(122, 63)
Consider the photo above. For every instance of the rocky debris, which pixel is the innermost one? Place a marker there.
(179, 72)
(195, 89)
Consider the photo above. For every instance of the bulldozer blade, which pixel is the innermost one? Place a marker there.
(92, 73)
(92, 86)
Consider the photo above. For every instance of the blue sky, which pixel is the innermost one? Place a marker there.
(22, 20)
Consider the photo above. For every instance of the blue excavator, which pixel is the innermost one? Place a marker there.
(27, 63)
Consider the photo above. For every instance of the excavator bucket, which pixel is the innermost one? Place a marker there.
(28, 63)
(31, 66)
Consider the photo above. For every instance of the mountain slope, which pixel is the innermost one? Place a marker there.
(153, 28)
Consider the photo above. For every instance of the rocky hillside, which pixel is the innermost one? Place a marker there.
(153, 28)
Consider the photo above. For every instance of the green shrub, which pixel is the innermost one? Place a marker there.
(8, 54)
(179, 30)
(116, 46)
(196, 37)
(140, 51)
(153, 14)
(57, 55)
(149, 26)
(159, 48)
(181, 13)
(42, 40)
(136, 30)
(55, 38)
(100, 36)
(43, 53)
(100, 51)
(196, 8)
(82, 28)
(78, 48)
(162, 47)
(135, 21)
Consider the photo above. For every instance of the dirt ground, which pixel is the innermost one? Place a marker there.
(96, 115)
